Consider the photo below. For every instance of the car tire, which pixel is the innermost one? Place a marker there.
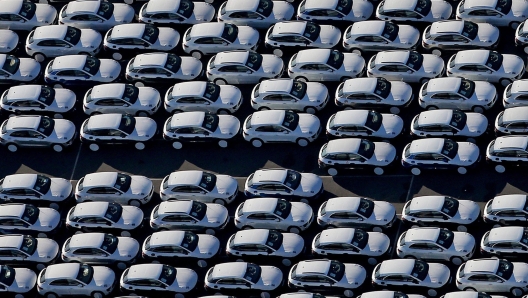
(431, 108)
(97, 295)
(39, 57)
(302, 142)
(478, 109)
(265, 295)
(95, 113)
(139, 83)
(294, 230)
(516, 292)
(247, 228)
(394, 110)
(505, 82)
(379, 171)
(51, 295)
(409, 257)
(117, 56)
(278, 52)
(177, 111)
(58, 86)
(457, 261)
(57, 148)
(197, 54)
(348, 293)
(177, 145)
(436, 51)
(424, 80)
(220, 82)
(514, 25)
(462, 170)
(416, 171)
(222, 143)
(331, 227)
(257, 143)
(58, 116)
(223, 112)
(220, 201)
(12, 147)
(310, 110)
(332, 171)
(142, 114)
(301, 79)
(470, 289)
(263, 109)
(343, 79)
(94, 147)
(135, 203)
(139, 145)
(500, 169)
(356, 51)
(461, 228)
(432, 292)
(121, 265)
(526, 50)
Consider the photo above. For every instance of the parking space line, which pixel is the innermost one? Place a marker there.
(407, 198)
(76, 161)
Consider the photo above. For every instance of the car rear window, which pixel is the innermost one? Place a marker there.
(420, 270)
(105, 10)
(73, 35)
(423, 7)
(110, 243)
(7, 275)
(27, 11)
(150, 34)
(31, 214)
(186, 8)
(130, 94)
(42, 184)
(282, 209)
(265, 7)
(494, 60)
(230, 32)
(503, 6)
(390, 31)
(85, 274)
(113, 212)
(415, 60)
(467, 88)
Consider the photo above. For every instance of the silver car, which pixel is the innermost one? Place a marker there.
(38, 99)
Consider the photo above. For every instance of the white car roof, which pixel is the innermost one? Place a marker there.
(23, 122)
(12, 210)
(175, 207)
(91, 209)
(276, 85)
(189, 88)
(113, 90)
(154, 6)
(313, 266)
(260, 205)
(432, 145)
(11, 6)
(187, 119)
(242, 5)
(519, 86)
(271, 117)
(357, 117)
(508, 142)
(374, 27)
(348, 145)
(82, 6)
(515, 114)
(258, 236)
(24, 92)
(451, 84)
(87, 240)
(481, 3)
(395, 266)
(482, 265)
(128, 31)
(65, 270)
(166, 238)
(9, 241)
(269, 175)
(231, 269)
(207, 29)
(360, 85)
(317, 4)
(142, 271)
(342, 204)
(434, 203)
(435, 117)
(50, 32)
(506, 234)
(185, 178)
(464, 294)
(150, 59)
(392, 57)
(19, 181)
(472, 57)
(340, 235)
(508, 202)
(104, 121)
(296, 27)
(422, 234)
(382, 294)
(447, 26)
(69, 61)
(313, 56)
(229, 57)
(100, 179)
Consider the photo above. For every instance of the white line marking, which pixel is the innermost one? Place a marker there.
(407, 198)
(76, 161)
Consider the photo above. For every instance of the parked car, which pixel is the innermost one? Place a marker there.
(17, 218)
(18, 71)
(512, 121)
(507, 151)
(259, 14)
(506, 210)
(364, 123)
(264, 242)
(89, 216)
(502, 13)
(161, 278)
(9, 41)
(24, 16)
(98, 15)
(162, 67)
(38, 99)
(414, 10)
(344, 10)
(378, 35)
(521, 37)
(516, 94)
(81, 70)
(166, 245)
(35, 188)
(176, 12)
(449, 123)
(302, 34)
(505, 242)
(27, 250)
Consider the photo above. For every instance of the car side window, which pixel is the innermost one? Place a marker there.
(204, 40)
(390, 68)
(86, 17)
(423, 156)
(425, 246)
(484, 12)
(445, 38)
(150, 70)
(60, 282)
(240, 15)
(265, 128)
(370, 38)
(20, 134)
(67, 73)
(394, 278)
(226, 281)
(177, 218)
(344, 215)
(229, 68)
(261, 216)
(310, 67)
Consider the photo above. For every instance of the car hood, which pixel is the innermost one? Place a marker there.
(64, 129)
(271, 276)
(468, 210)
(384, 152)
(520, 272)
(109, 68)
(228, 125)
(476, 122)
(432, 64)
(127, 247)
(208, 244)
(485, 91)
(282, 10)
(308, 124)
(377, 243)
(45, 13)
(132, 216)
(401, 92)
(353, 62)
(216, 213)
(25, 280)
(316, 92)
(60, 187)
(271, 64)
(467, 152)
(190, 66)
(391, 124)
(48, 218)
(230, 95)
(9, 40)
(247, 35)
(292, 243)
(438, 274)
(487, 33)
(310, 183)
(148, 97)
(408, 34)
(168, 37)
(203, 11)
(123, 13)
(226, 184)
(301, 212)
(90, 38)
(463, 242)
(65, 98)
(384, 211)
(145, 127)
(186, 278)
(140, 185)
(28, 68)
(519, 8)
(329, 34)
(47, 248)
(354, 274)
(512, 64)
(103, 276)
(441, 10)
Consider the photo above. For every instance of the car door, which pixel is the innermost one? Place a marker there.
(444, 101)
(326, 73)
(209, 45)
(61, 287)
(107, 194)
(393, 279)
(483, 283)
(391, 72)
(14, 194)
(422, 250)
(89, 21)
(262, 220)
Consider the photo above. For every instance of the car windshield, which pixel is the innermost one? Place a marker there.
(390, 31)
(445, 238)
(466, 88)
(47, 95)
(483, 295)
(113, 212)
(109, 243)
(27, 11)
(190, 241)
(283, 208)
(524, 239)
(46, 125)
(150, 34)
(494, 60)
(450, 148)
(423, 7)
(92, 64)
(29, 245)
(85, 274)
(254, 61)
(173, 62)
(450, 206)
(265, 8)
(298, 89)
(210, 122)
(105, 10)
(230, 32)
(130, 94)
(336, 59)
(73, 35)
(415, 59)
(312, 31)
(420, 270)
(365, 208)
(470, 30)
(344, 6)
(374, 120)
(42, 184)
(360, 239)
(336, 270)
(366, 149)
(11, 64)
(400, 295)
(503, 6)
(123, 182)
(212, 92)
(293, 179)
(508, 90)
(198, 210)
(167, 275)
(252, 273)
(208, 181)
(7, 275)
(31, 214)
(383, 88)
(505, 269)
(274, 239)
(458, 120)
(291, 120)
(128, 123)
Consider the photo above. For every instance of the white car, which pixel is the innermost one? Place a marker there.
(244, 277)
(114, 187)
(121, 98)
(280, 126)
(97, 15)
(414, 10)
(202, 186)
(81, 70)
(325, 65)
(38, 132)
(243, 67)
(459, 35)
(35, 187)
(38, 99)
(202, 96)
(327, 274)
(75, 279)
(18, 71)
(197, 127)
(167, 245)
(440, 154)
(512, 121)
(117, 129)
(158, 277)
(26, 250)
(188, 215)
(295, 295)
(407, 66)
(335, 10)
(289, 94)
(449, 123)
(104, 215)
(496, 12)
(176, 12)
(59, 40)
(259, 14)
(438, 244)
(506, 210)
(213, 38)
(364, 123)
(302, 34)
(9, 41)
(353, 243)
(521, 37)
(283, 183)
(398, 294)
(457, 93)
(505, 241)
(516, 94)
(25, 16)
(440, 210)
(356, 212)
(139, 37)
(375, 93)
(100, 248)
(162, 67)
(378, 35)
(273, 213)
(356, 153)
(486, 65)
(507, 151)
(493, 276)
(412, 273)
(17, 281)
(19, 218)
(468, 294)
(262, 242)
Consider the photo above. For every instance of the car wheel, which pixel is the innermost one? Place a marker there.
(379, 171)
(177, 145)
(430, 108)
(247, 228)
(12, 147)
(331, 227)
(348, 293)
(456, 261)
(197, 54)
(294, 230)
(332, 171)
(500, 169)
(372, 261)
(93, 147)
(514, 25)
(302, 142)
(40, 266)
(377, 229)
(139, 84)
(135, 203)
(222, 143)
(462, 228)
(345, 78)
(432, 292)
(516, 292)
(95, 113)
(58, 148)
(222, 112)
(409, 257)
(301, 79)
(257, 143)
(177, 111)
(416, 171)
(117, 56)
(121, 265)
(310, 110)
(97, 295)
(470, 289)
(126, 234)
(263, 109)
(424, 80)
(478, 109)
(58, 86)
(505, 82)
(129, 1)
(526, 50)
(462, 170)
(356, 51)
(265, 295)
(142, 114)
(394, 110)
(39, 57)
(278, 52)
(51, 295)
(139, 145)
(436, 52)
(220, 202)
(220, 82)
(471, 140)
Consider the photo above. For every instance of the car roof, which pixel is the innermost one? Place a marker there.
(515, 114)
(463, 294)
(207, 29)
(113, 90)
(231, 57)
(100, 179)
(295, 27)
(97, 208)
(166, 238)
(12, 6)
(23, 122)
(480, 3)
(175, 207)
(154, 6)
(257, 236)
(82, 6)
(340, 235)
(230, 269)
(313, 56)
(472, 57)
(506, 234)
(150, 59)
(10, 241)
(260, 205)
(392, 57)
(441, 27)
(374, 27)
(435, 117)
(19, 181)
(24, 92)
(12, 210)
(142, 271)
(424, 203)
(187, 119)
(270, 117)
(482, 265)
(104, 121)
(431, 145)
(348, 145)
(312, 266)
(381, 294)
(185, 178)
(359, 85)
(342, 204)
(64, 270)
(242, 5)
(86, 240)
(316, 4)
(276, 85)
(196, 88)
(396, 266)
(128, 31)
(50, 32)
(69, 61)
(422, 234)
(508, 202)
(509, 142)
(451, 84)
(265, 175)
(355, 117)
(519, 86)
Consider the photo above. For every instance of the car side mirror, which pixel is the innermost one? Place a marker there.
(285, 132)
(409, 71)
(123, 135)
(249, 72)
(146, 45)
(489, 71)
(225, 43)
(260, 18)
(206, 133)
(22, 21)
(330, 70)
